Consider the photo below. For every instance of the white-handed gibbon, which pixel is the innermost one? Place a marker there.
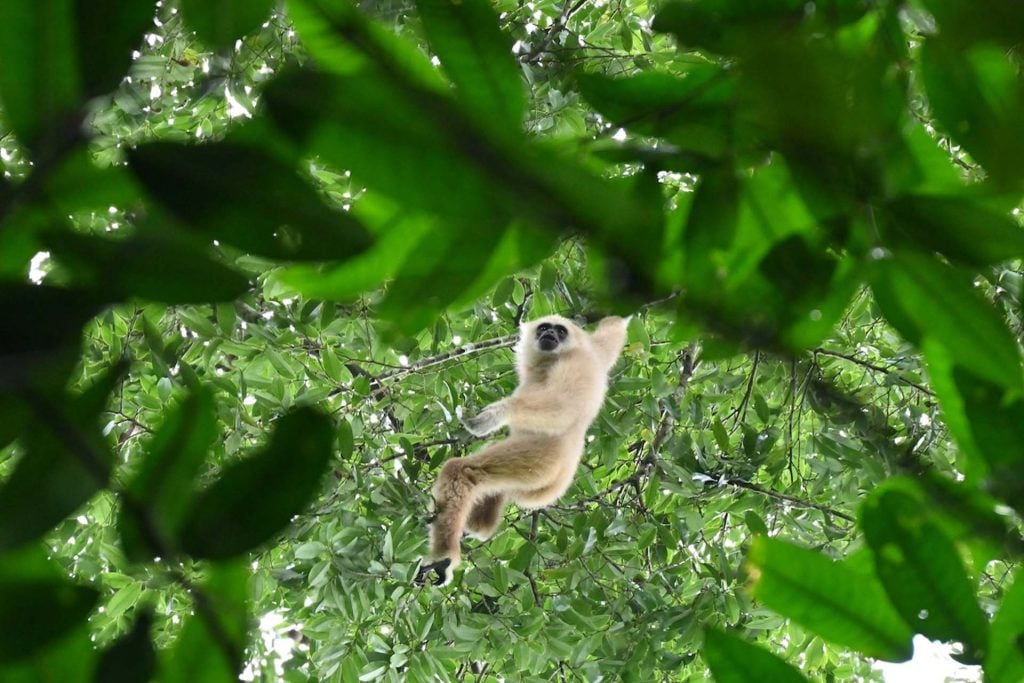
(563, 376)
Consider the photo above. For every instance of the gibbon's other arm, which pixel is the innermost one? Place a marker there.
(610, 338)
(540, 409)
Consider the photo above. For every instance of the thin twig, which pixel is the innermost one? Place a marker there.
(800, 502)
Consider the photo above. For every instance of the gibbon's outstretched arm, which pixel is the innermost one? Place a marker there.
(562, 381)
(610, 337)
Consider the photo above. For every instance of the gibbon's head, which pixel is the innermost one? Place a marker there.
(550, 335)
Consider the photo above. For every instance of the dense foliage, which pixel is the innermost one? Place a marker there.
(250, 287)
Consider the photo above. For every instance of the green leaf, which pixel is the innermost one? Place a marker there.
(49, 322)
(39, 75)
(921, 570)
(37, 604)
(734, 660)
(477, 56)
(755, 522)
(963, 230)
(157, 499)
(78, 184)
(977, 94)
(219, 22)
(829, 598)
(247, 198)
(108, 31)
(364, 122)
(922, 297)
(211, 647)
(398, 238)
(346, 441)
(254, 499)
(987, 421)
(66, 461)
(1005, 660)
(150, 266)
(694, 112)
(132, 658)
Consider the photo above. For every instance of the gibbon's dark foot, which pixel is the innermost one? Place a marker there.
(439, 568)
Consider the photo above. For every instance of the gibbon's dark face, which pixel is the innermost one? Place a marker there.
(550, 335)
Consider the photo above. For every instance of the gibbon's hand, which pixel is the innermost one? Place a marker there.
(490, 419)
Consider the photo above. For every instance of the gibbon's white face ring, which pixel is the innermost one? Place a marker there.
(550, 336)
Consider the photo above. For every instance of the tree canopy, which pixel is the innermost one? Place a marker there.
(257, 259)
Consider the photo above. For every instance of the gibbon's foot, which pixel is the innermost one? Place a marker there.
(441, 569)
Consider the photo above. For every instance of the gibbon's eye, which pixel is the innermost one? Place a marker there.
(561, 332)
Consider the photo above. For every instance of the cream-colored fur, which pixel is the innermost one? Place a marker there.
(560, 393)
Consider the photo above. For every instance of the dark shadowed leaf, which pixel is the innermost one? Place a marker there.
(921, 570)
(211, 646)
(398, 238)
(256, 498)
(411, 146)
(977, 94)
(734, 660)
(148, 266)
(37, 604)
(132, 658)
(694, 112)
(964, 231)
(49, 322)
(66, 461)
(107, 32)
(987, 422)
(39, 75)
(158, 497)
(1005, 661)
(218, 23)
(829, 598)
(247, 198)
(477, 56)
(923, 297)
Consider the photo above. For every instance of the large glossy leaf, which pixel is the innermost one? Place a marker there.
(923, 297)
(477, 56)
(39, 75)
(734, 660)
(219, 23)
(248, 198)
(148, 266)
(829, 598)
(107, 32)
(37, 604)
(921, 570)
(1005, 661)
(256, 498)
(211, 646)
(157, 498)
(131, 659)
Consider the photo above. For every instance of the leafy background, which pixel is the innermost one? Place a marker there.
(250, 286)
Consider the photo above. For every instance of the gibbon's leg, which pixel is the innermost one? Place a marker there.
(517, 463)
(485, 515)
